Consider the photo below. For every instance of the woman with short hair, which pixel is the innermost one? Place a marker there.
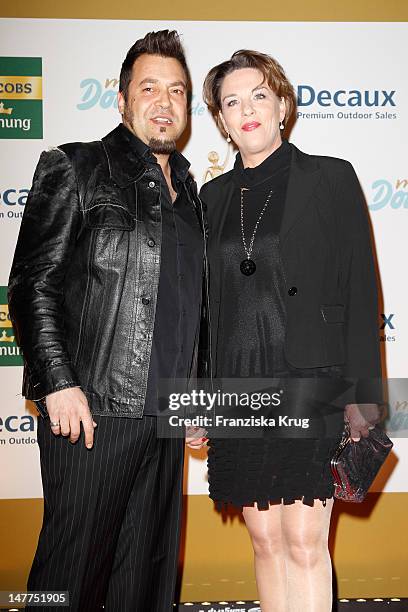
(293, 296)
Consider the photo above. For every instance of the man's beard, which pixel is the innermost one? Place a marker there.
(158, 146)
(162, 147)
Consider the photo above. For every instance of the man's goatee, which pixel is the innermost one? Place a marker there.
(162, 147)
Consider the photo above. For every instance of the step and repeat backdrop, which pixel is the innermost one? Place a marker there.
(58, 83)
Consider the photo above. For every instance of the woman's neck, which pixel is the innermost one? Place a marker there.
(251, 160)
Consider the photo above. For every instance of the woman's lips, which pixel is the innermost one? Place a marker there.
(252, 125)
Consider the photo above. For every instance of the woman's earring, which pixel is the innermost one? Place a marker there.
(282, 127)
(228, 137)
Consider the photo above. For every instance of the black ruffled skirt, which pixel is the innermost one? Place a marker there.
(270, 470)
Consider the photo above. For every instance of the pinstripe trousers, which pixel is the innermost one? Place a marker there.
(111, 526)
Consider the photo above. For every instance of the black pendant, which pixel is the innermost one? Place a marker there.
(247, 267)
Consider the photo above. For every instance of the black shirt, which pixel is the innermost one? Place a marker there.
(252, 321)
(179, 293)
(272, 173)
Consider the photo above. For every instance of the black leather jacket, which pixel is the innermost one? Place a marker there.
(83, 285)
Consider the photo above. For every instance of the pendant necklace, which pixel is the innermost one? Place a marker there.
(248, 265)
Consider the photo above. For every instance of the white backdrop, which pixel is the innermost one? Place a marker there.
(81, 61)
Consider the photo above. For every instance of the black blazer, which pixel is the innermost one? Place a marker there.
(331, 293)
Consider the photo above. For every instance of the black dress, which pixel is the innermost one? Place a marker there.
(250, 341)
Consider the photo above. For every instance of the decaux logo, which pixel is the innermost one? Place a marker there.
(14, 423)
(12, 202)
(389, 195)
(345, 103)
(103, 94)
(18, 430)
(387, 325)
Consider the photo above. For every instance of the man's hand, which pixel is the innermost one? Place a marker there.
(67, 409)
(195, 437)
(361, 418)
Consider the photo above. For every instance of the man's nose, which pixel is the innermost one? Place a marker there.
(164, 99)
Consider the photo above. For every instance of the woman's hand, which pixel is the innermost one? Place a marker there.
(361, 418)
(195, 437)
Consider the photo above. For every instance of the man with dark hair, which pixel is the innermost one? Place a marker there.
(106, 292)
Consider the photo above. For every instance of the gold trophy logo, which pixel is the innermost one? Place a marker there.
(216, 169)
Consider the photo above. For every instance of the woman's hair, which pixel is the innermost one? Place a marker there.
(271, 70)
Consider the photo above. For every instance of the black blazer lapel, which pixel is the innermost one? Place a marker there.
(303, 179)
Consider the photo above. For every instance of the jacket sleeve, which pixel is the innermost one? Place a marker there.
(363, 361)
(203, 200)
(204, 357)
(44, 247)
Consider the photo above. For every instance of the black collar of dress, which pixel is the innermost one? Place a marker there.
(269, 169)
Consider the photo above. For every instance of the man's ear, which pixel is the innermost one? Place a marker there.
(121, 103)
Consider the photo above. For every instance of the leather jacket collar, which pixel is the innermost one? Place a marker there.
(129, 158)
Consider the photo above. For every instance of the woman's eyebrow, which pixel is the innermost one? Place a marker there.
(260, 86)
